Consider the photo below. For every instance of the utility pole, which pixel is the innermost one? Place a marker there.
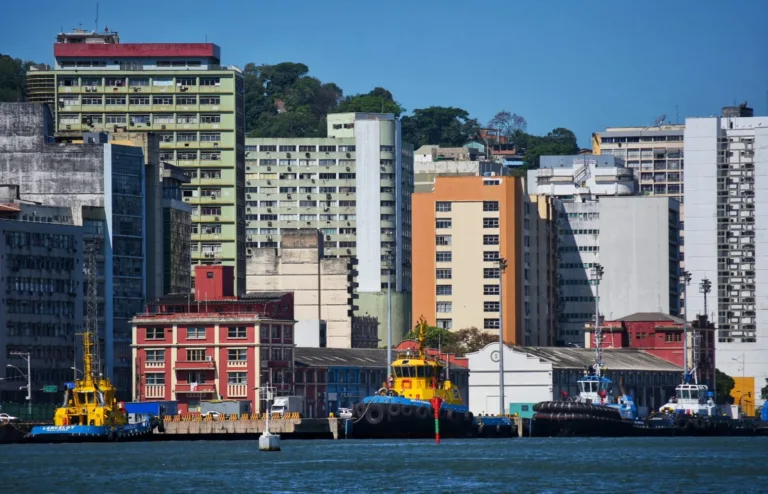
(686, 275)
(597, 275)
(502, 263)
(389, 314)
(705, 287)
(25, 356)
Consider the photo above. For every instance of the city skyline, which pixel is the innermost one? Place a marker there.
(538, 80)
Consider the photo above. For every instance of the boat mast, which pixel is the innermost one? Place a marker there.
(422, 326)
(91, 328)
(686, 275)
(597, 275)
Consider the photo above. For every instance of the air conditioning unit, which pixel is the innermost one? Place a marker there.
(309, 196)
(309, 222)
(289, 168)
(269, 210)
(347, 168)
(248, 182)
(306, 154)
(287, 155)
(290, 196)
(162, 127)
(349, 155)
(269, 168)
(248, 196)
(269, 237)
(208, 358)
(269, 223)
(327, 237)
(215, 218)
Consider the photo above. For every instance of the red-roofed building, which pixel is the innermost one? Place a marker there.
(661, 335)
(213, 345)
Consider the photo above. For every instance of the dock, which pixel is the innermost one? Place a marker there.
(250, 428)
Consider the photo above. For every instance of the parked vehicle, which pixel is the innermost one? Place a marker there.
(288, 404)
(5, 418)
(211, 413)
(345, 413)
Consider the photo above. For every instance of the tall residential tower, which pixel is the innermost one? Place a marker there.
(182, 92)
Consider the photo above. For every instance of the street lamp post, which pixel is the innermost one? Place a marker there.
(502, 263)
(389, 313)
(686, 276)
(25, 356)
(597, 275)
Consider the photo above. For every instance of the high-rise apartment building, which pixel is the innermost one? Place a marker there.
(355, 187)
(462, 229)
(727, 162)
(182, 92)
(631, 240)
(102, 185)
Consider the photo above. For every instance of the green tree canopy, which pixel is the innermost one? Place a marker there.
(439, 125)
(13, 77)
(459, 342)
(723, 386)
(379, 100)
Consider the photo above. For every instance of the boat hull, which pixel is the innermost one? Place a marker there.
(89, 433)
(386, 417)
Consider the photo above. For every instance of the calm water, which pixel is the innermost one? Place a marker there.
(483, 465)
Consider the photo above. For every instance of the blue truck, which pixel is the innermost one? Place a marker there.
(156, 408)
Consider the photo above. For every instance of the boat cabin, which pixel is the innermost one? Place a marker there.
(690, 399)
(596, 389)
(421, 378)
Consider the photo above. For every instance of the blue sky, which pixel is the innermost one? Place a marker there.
(578, 64)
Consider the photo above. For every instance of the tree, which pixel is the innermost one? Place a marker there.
(13, 78)
(764, 391)
(558, 142)
(723, 386)
(508, 123)
(379, 100)
(444, 126)
(458, 342)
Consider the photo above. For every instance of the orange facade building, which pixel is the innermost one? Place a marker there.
(460, 229)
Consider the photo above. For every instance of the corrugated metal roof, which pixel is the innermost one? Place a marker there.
(651, 317)
(628, 359)
(347, 357)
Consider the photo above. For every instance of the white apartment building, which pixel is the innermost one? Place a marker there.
(354, 186)
(726, 221)
(634, 239)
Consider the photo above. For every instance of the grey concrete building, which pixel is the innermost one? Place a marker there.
(355, 187)
(103, 186)
(41, 308)
(323, 288)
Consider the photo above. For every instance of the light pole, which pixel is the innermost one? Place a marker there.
(502, 264)
(597, 275)
(389, 313)
(25, 356)
(686, 276)
(704, 287)
(76, 371)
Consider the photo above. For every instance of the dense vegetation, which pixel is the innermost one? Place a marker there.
(459, 342)
(284, 100)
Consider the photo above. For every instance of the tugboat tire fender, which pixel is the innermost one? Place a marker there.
(360, 409)
(375, 414)
(407, 410)
(468, 417)
(394, 409)
(422, 413)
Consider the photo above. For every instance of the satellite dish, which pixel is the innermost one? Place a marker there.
(660, 120)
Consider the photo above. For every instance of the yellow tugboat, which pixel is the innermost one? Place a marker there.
(403, 408)
(90, 411)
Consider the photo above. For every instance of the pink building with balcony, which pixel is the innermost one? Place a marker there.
(214, 345)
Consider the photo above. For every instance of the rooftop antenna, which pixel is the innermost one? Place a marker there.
(97, 17)
(660, 120)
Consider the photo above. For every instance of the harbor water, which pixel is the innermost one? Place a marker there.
(475, 465)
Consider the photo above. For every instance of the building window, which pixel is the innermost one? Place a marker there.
(490, 306)
(196, 355)
(491, 324)
(489, 255)
(154, 378)
(155, 355)
(673, 337)
(445, 323)
(445, 289)
(443, 274)
(442, 206)
(443, 240)
(490, 205)
(275, 331)
(195, 333)
(490, 240)
(491, 222)
(236, 354)
(444, 256)
(444, 307)
(155, 334)
(277, 353)
(490, 273)
(287, 332)
(264, 353)
(238, 332)
(490, 289)
(237, 377)
(443, 223)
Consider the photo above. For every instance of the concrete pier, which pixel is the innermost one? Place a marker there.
(249, 429)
